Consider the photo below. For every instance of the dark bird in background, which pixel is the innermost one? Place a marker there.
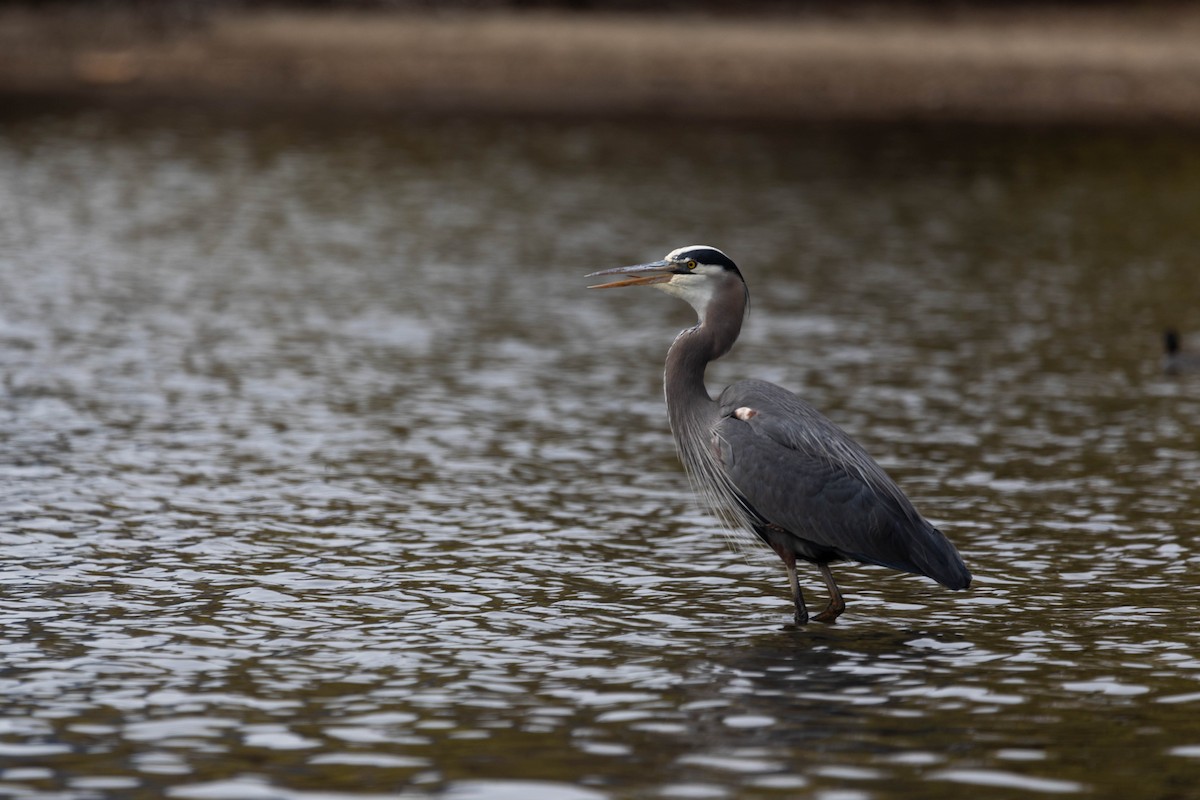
(1175, 361)
(765, 460)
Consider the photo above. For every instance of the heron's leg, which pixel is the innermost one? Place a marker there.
(836, 604)
(797, 595)
(774, 536)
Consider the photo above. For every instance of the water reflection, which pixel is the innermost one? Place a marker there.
(323, 476)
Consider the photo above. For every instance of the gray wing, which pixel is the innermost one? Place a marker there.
(798, 470)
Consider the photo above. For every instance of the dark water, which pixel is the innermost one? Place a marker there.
(322, 476)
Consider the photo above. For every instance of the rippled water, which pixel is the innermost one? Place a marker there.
(322, 476)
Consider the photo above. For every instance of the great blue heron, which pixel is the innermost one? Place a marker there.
(765, 460)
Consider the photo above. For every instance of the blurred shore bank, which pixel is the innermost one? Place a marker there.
(1030, 65)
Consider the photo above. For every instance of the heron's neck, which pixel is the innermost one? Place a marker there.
(687, 396)
(684, 374)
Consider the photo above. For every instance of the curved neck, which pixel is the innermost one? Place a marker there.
(683, 378)
(687, 397)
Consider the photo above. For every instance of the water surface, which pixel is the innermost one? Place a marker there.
(323, 476)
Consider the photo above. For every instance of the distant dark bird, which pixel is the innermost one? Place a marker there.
(767, 461)
(1175, 361)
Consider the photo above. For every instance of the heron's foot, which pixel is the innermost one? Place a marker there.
(830, 614)
(836, 604)
(789, 561)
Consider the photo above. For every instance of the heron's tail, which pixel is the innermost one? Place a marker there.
(939, 559)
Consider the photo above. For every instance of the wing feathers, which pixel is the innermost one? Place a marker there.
(801, 472)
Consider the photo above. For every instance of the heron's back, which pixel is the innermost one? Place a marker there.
(799, 471)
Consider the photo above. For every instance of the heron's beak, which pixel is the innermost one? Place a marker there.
(638, 275)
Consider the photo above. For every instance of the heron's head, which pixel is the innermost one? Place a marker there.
(699, 274)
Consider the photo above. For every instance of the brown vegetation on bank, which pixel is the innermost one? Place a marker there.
(1067, 64)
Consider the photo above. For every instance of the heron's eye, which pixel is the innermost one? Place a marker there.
(691, 264)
